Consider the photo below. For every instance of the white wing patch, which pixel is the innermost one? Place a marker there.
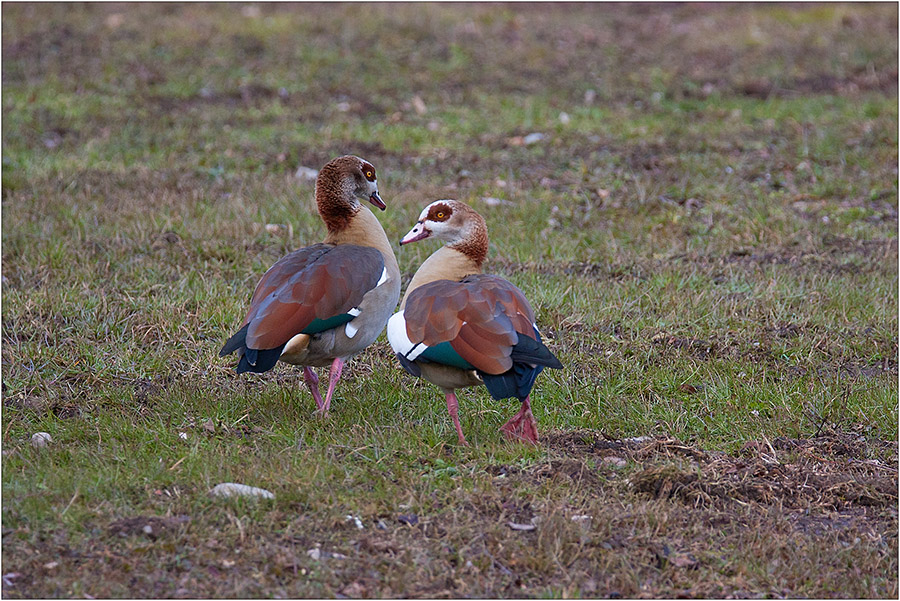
(416, 351)
(350, 330)
(384, 277)
(400, 342)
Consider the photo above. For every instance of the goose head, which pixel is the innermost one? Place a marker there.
(342, 185)
(455, 223)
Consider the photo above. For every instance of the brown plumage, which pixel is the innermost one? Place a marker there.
(481, 317)
(316, 282)
(333, 187)
(458, 327)
(322, 304)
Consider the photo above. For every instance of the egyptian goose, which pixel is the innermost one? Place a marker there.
(322, 304)
(458, 327)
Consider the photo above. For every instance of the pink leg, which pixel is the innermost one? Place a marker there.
(312, 381)
(522, 425)
(337, 366)
(453, 409)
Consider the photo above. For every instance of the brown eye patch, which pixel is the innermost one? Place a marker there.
(439, 212)
(369, 171)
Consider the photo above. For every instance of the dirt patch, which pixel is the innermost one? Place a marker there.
(151, 527)
(884, 81)
(569, 471)
(825, 449)
(788, 486)
(836, 472)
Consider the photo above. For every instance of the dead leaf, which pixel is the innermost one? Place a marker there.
(615, 461)
(683, 560)
(354, 590)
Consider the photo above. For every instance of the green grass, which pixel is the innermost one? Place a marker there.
(708, 237)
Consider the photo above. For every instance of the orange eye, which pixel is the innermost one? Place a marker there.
(369, 174)
(440, 215)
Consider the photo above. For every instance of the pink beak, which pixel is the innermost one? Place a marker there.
(419, 232)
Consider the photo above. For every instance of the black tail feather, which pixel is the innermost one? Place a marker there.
(529, 357)
(264, 361)
(517, 382)
(254, 360)
(529, 350)
(235, 342)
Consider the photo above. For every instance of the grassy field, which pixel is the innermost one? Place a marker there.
(707, 229)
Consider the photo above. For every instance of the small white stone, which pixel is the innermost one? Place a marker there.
(233, 489)
(315, 554)
(182, 435)
(343, 107)
(582, 518)
(356, 522)
(148, 529)
(419, 105)
(306, 173)
(494, 202)
(614, 462)
(40, 440)
(589, 96)
(564, 118)
(533, 138)
(115, 20)
(638, 439)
